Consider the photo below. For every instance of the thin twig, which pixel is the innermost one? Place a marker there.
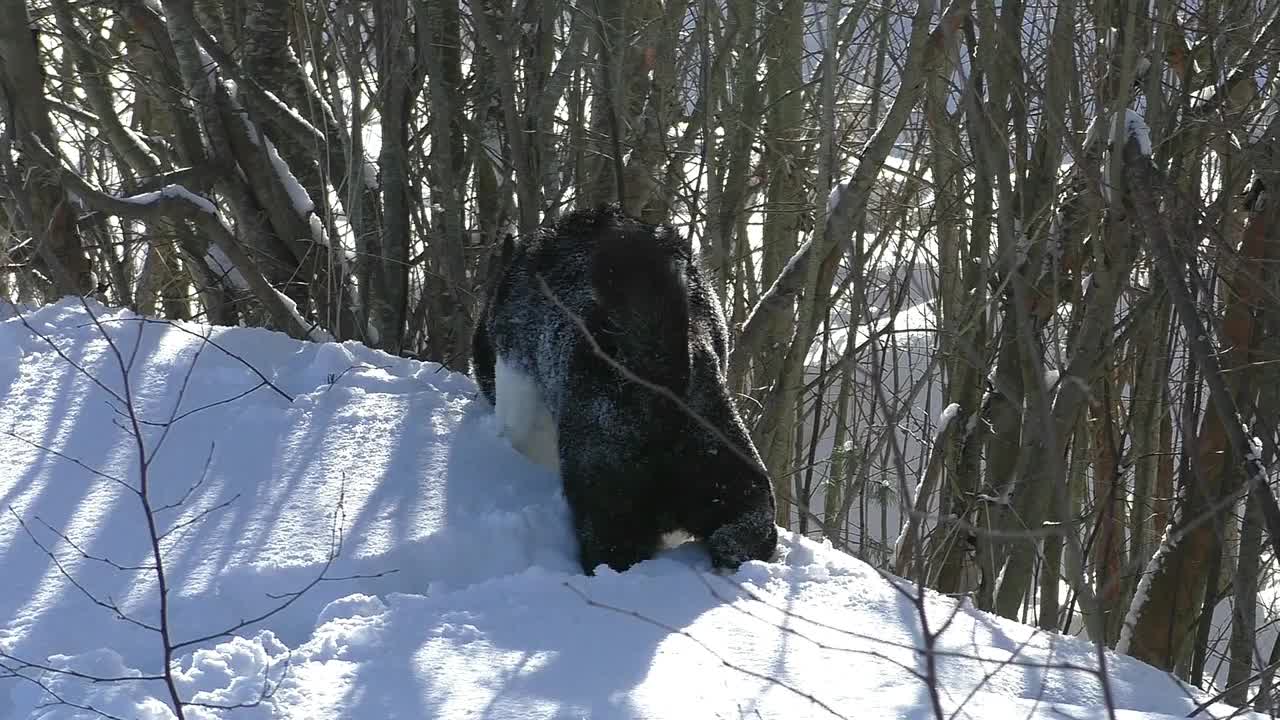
(107, 604)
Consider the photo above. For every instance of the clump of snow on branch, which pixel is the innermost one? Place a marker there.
(945, 419)
(1136, 127)
(172, 191)
(297, 194)
(315, 333)
(947, 416)
(284, 107)
(222, 266)
(210, 69)
(317, 230)
(833, 198)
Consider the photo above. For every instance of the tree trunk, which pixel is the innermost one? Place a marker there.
(47, 214)
(394, 75)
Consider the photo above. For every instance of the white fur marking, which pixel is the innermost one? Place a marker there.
(523, 416)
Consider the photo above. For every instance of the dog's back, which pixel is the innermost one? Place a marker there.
(595, 345)
(596, 276)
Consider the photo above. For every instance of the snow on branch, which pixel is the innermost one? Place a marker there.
(174, 191)
(298, 195)
(210, 48)
(844, 206)
(1135, 127)
(905, 547)
(1130, 126)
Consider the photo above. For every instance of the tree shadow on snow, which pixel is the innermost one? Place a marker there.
(53, 405)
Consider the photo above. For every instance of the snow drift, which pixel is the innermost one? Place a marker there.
(456, 591)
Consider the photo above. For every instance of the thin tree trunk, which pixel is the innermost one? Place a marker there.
(1244, 620)
(47, 212)
(1160, 621)
(394, 74)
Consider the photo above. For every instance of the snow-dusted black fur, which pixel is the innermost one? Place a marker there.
(635, 464)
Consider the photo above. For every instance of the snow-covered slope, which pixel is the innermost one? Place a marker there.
(462, 595)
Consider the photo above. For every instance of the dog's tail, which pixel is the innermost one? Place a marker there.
(639, 279)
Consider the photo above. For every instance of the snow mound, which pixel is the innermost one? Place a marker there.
(456, 592)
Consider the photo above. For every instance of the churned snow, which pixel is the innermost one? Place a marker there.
(463, 595)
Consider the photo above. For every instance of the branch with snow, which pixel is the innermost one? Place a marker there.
(220, 59)
(844, 206)
(1124, 128)
(905, 547)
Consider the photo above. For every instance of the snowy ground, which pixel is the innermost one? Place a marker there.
(485, 615)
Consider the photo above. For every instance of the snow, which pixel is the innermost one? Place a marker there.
(1135, 126)
(833, 198)
(298, 196)
(172, 191)
(1268, 115)
(315, 333)
(302, 203)
(1167, 542)
(948, 415)
(317, 230)
(283, 107)
(222, 266)
(463, 597)
(210, 69)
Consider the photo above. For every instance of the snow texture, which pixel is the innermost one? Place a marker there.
(524, 419)
(1134, 127)
(210, 69)
(1259, 129)
(298, 195)
(947, 416)
(317, 230)
(488, 615)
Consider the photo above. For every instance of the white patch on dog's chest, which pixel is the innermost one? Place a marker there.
(524, 417)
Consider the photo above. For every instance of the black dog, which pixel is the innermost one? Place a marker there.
(603, 352)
